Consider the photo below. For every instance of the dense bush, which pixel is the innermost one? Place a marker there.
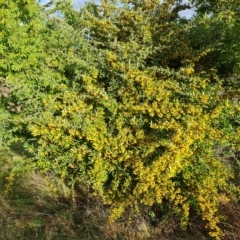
(127, 99)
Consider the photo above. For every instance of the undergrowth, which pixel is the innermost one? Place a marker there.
(39, 206)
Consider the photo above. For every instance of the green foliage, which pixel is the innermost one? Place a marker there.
(127, 99)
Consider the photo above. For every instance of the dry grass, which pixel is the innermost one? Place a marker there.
(231, 225)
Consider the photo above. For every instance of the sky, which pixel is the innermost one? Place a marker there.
(78, 3)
